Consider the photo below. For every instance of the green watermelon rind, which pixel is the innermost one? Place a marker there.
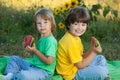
(96, 43)
(32, 42)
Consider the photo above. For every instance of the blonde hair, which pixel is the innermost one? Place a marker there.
(46, 14)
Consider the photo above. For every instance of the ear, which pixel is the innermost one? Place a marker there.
(69, 27)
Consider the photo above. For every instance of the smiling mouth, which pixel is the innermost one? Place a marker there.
(79, 32)
(42, 29)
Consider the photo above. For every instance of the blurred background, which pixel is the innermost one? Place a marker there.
(16, 21)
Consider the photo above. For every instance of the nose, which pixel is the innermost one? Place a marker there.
(42, 25)
(79, 26)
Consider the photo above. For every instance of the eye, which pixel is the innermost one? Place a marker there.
(75, 23)
(38, 23)
(84, 24)
(45, 20)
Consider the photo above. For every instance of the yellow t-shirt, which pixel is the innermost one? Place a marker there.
(70, 50)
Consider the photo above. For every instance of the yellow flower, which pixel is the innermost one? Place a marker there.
(60, 9)
(56, 11)
(67, 6)
(74, 3)
(61, 25)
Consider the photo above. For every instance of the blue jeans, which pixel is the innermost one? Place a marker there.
(97, 70)
(22, 70)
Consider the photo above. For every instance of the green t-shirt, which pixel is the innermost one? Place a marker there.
(48, 46)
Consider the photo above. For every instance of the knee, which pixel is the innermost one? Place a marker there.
(100, 59)
(100, 56)
(13, 58)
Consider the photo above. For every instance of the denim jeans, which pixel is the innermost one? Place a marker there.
(97, 70)
(22, 70)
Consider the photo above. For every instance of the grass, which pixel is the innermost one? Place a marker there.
(15, 24)
(109, 50)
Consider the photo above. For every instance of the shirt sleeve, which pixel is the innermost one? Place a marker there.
(74, 53)
(51, 48)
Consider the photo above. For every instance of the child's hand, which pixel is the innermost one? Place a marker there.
(31, 49)
(96, 45)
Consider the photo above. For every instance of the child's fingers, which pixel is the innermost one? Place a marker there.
(28, 48)
(99, 49)
(34, 45)
(95, 42)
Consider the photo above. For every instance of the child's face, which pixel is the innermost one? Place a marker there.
(77, 28)
(43, 26)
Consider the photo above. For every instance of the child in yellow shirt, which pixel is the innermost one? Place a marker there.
(72, 64)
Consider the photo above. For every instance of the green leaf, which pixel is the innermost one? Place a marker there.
(115, 12)
(106, 11)
(96, 7)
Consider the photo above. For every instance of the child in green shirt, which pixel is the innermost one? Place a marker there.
(44, 52)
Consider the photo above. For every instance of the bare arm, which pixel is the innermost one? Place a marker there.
(89, 55)
(87, 58)
(42, 57)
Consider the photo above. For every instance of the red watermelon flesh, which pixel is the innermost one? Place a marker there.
(28, 40)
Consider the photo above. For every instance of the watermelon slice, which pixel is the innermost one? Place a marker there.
(29, 40)
(95, 41)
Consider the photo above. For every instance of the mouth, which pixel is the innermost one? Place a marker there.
(79, 32)
(42, 29)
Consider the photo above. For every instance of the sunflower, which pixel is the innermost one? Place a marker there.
(74, 3)
(56, 11)
(61, 25)
(67, 6)
(60, 8)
